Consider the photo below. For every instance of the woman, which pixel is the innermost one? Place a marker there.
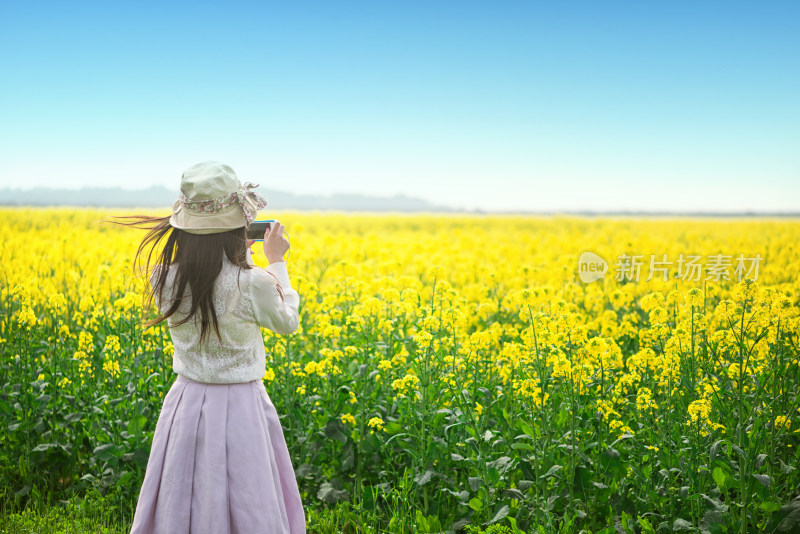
(219, 462)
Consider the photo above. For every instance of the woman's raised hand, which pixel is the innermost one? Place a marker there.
(275, 244)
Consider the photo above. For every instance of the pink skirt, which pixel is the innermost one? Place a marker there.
(219, 464)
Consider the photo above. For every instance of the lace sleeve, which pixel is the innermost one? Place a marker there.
(275, 303)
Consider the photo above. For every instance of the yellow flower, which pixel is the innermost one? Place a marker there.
(427, 291)
(782, 422)
(269, 375)
(84, 367)
(644, 400)
(57, 302)
(699, 411)
(111, 367)
(26, 318)
(310, 368)
(529, 389)
(85, 342)
(86, 303)
(375, 423)
(423, 338)
(606, 407)
(620, 428)
(435, 271)
(404, 386)
(112, 346)
(695, 297)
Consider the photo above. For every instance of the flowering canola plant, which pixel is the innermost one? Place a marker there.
(462, 350)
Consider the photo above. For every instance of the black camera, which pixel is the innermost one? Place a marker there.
(257, 228)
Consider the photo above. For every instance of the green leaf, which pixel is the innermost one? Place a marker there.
(525, 484)
(476, 504)
(73, 417)
(787, 469)
(719, 477)
(681, 524)
(713, 522)
(501, 513)
(514, 493)
(760, 459)
(304, 471)
(424, 478)
(623, 437)
(521, 446)
(552, 471)
(348, 456)
(716, 505)
(770, 506)
(502, 463)
(448, 427)
(136, 424)
(393, 427)
(105, 452)
(763, 479)
(525, 427)
(460, 495)
(475, 483)
(333, 430)
(329, 494)
(714, 450)
(792, 517)
(493, 475)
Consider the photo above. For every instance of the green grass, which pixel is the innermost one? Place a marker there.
(96, 516)
(90, 515)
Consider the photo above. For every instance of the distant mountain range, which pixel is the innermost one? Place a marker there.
(161, 197)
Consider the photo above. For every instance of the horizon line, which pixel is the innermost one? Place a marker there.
(457, 211)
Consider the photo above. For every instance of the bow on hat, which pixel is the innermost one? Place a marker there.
(250, 201)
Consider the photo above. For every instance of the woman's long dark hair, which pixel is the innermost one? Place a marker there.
(198, 260)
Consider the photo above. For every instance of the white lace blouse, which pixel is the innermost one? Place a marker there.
(244, 299)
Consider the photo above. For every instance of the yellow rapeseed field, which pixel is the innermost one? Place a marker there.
(450, 370)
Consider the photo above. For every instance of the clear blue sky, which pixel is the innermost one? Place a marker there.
(494, 105)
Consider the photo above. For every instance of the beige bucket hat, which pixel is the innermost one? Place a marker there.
(213, 200)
